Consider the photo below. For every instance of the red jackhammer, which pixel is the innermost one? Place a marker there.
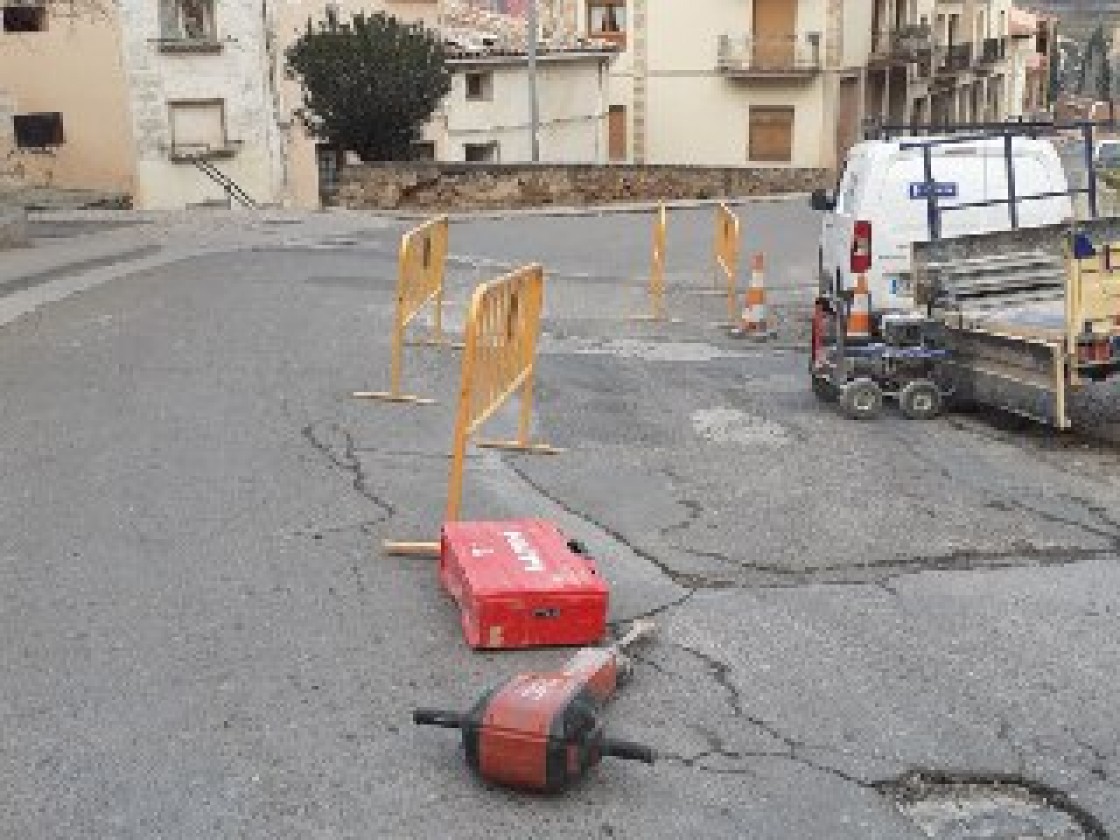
(543, 731)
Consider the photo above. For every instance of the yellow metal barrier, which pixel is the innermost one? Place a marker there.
(499, 359)
(727, 258)
(657, 267)
(420, 274)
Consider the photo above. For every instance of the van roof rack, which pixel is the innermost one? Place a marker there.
(1028, 128)
(927, 137)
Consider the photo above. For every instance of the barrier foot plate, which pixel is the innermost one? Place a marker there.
(388, 396)
(653, 319)
(518, 446)
(705, 292)
(434, 342)
(411, 549)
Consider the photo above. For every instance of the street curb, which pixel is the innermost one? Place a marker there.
(22, 282)
(578, 211)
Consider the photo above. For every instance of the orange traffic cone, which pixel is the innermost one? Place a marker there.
(859, 318)
(756, 315)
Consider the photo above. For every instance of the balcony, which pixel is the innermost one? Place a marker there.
(994, 49)
(748, 57)
(956, 59)
(904, 45)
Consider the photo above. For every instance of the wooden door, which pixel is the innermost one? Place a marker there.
(847, 118)
(774, 33)
(616, 133)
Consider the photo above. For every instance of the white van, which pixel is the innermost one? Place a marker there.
(880, 206)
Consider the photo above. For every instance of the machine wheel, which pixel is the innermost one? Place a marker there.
(861, 399)
(920, 400)
(823, 390)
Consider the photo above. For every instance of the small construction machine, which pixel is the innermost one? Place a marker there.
(903, 360)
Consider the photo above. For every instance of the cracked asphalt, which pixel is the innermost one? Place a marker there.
(201, 637)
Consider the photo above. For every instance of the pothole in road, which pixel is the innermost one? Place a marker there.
(987, 809)
(728, 425)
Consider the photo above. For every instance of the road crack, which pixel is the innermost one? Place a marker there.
(348, 462)
(792, 748)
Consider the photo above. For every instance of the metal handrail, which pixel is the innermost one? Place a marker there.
(958, 57)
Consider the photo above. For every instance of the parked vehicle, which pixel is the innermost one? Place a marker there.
(981, 287)
(880, 207)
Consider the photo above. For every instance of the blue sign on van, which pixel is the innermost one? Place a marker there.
(943, 189)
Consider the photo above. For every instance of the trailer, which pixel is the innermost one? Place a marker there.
(1017, 319)
(1030, 315)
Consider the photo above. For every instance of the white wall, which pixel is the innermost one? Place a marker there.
(239, 74)
(572, 97)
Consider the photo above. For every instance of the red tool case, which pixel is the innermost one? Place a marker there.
(521, 584)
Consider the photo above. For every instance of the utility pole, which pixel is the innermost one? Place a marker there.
(534, 114)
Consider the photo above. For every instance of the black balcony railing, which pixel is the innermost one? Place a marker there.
(994, 49)
(912, 41)
(903, 43)
(958, 57)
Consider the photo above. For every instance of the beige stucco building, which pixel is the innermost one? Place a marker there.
(730, 83)
(56, 127)
(792, 82)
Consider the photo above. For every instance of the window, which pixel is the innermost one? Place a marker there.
(480, 86)
(607, 19)
(38, 131)
(616, 133)
(25, 18)
(188, 20)
(770, 137)
(198, 128)
(480, 152)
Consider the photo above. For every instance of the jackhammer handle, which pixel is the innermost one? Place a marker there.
(629, 751)
(435, 717)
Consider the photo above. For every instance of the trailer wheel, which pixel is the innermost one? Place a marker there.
(920, 400)
(861, 399)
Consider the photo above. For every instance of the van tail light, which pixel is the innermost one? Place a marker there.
(861, 247)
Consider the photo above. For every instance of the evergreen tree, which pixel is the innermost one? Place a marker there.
(369, 84)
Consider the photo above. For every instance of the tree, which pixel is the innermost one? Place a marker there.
(368, 85)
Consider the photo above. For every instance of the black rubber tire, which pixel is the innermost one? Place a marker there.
(920, 400)
(824, 390)
(861, 399)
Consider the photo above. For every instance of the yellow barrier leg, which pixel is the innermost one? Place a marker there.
(715, 291)
(411, 549)
(523, 444)
(394, 394)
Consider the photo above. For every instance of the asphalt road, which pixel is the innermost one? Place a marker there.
(201, 637)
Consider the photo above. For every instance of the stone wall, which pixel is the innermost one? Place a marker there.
(435, 186)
